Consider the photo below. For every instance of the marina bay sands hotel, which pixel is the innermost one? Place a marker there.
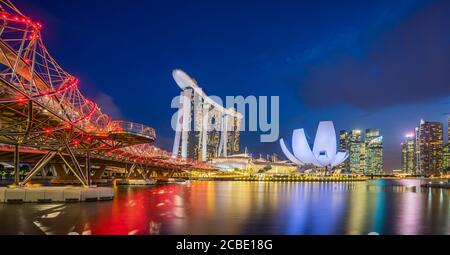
(204, 128)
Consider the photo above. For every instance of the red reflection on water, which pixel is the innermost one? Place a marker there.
(139, 211)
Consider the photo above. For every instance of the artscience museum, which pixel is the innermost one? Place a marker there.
(324, 153)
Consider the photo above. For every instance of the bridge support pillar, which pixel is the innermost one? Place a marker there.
(39, 166)
(143, 174)
(75, 171)
(130, 171)
(16, 165)
(88, 168)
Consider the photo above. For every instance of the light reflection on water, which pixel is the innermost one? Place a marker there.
(385, 207)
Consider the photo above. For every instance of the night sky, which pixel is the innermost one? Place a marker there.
(363, 64)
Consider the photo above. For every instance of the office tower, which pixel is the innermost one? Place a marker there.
(446, 151)
(448, 129)
(446, 155)
(373, 142)
(344, 146)
(430, 145)
(357, 152)
(417, 151)
(343, 140)
(409, 154)
(404, 157)
(362, 157)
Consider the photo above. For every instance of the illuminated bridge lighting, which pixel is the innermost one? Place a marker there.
(39, 97)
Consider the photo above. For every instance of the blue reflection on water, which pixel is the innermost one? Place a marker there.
(379, 209)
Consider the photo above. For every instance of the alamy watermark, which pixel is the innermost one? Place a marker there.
(255, 114)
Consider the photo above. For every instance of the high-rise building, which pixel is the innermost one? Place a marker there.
(448, 129)
(366, 152)
(446, 155)
(446, 151)
(430, 145)
(357, 152)
(409, 154)
(343, 140)
(417, 151)
(195, 135)
(344, 146)
(204, 129)
(235, 137)
(373, 152)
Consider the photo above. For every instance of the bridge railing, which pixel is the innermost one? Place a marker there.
(126, 127)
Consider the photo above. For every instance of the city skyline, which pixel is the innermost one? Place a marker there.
(300, 62)
(425, 151)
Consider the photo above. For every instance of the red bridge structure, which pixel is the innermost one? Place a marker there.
(44, 114)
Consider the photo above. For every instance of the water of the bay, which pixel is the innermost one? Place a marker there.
(381, 206)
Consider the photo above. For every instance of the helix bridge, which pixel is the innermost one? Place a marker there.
(43, 109)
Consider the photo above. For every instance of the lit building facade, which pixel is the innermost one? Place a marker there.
(344, 146)
(357, 152)
(204, 129)
(448, 130)
(409, 154)
(446, 155)
(446, 152)
(373, 152)
(430, 145)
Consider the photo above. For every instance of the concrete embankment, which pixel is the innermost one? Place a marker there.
(55, 194)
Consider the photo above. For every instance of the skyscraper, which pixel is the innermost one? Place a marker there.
(357, 152)
(204, 129)
(446, 151)
(446, 155)
(344, 146)
(430, 148)
(417, 151)
(409, 154)
(448, 129)
(373, 152)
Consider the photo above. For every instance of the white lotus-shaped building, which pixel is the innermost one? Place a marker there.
(324, 152)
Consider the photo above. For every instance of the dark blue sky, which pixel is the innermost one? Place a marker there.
(363, 64)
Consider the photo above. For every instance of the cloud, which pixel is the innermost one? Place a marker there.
(108, 106)
(407, 63)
